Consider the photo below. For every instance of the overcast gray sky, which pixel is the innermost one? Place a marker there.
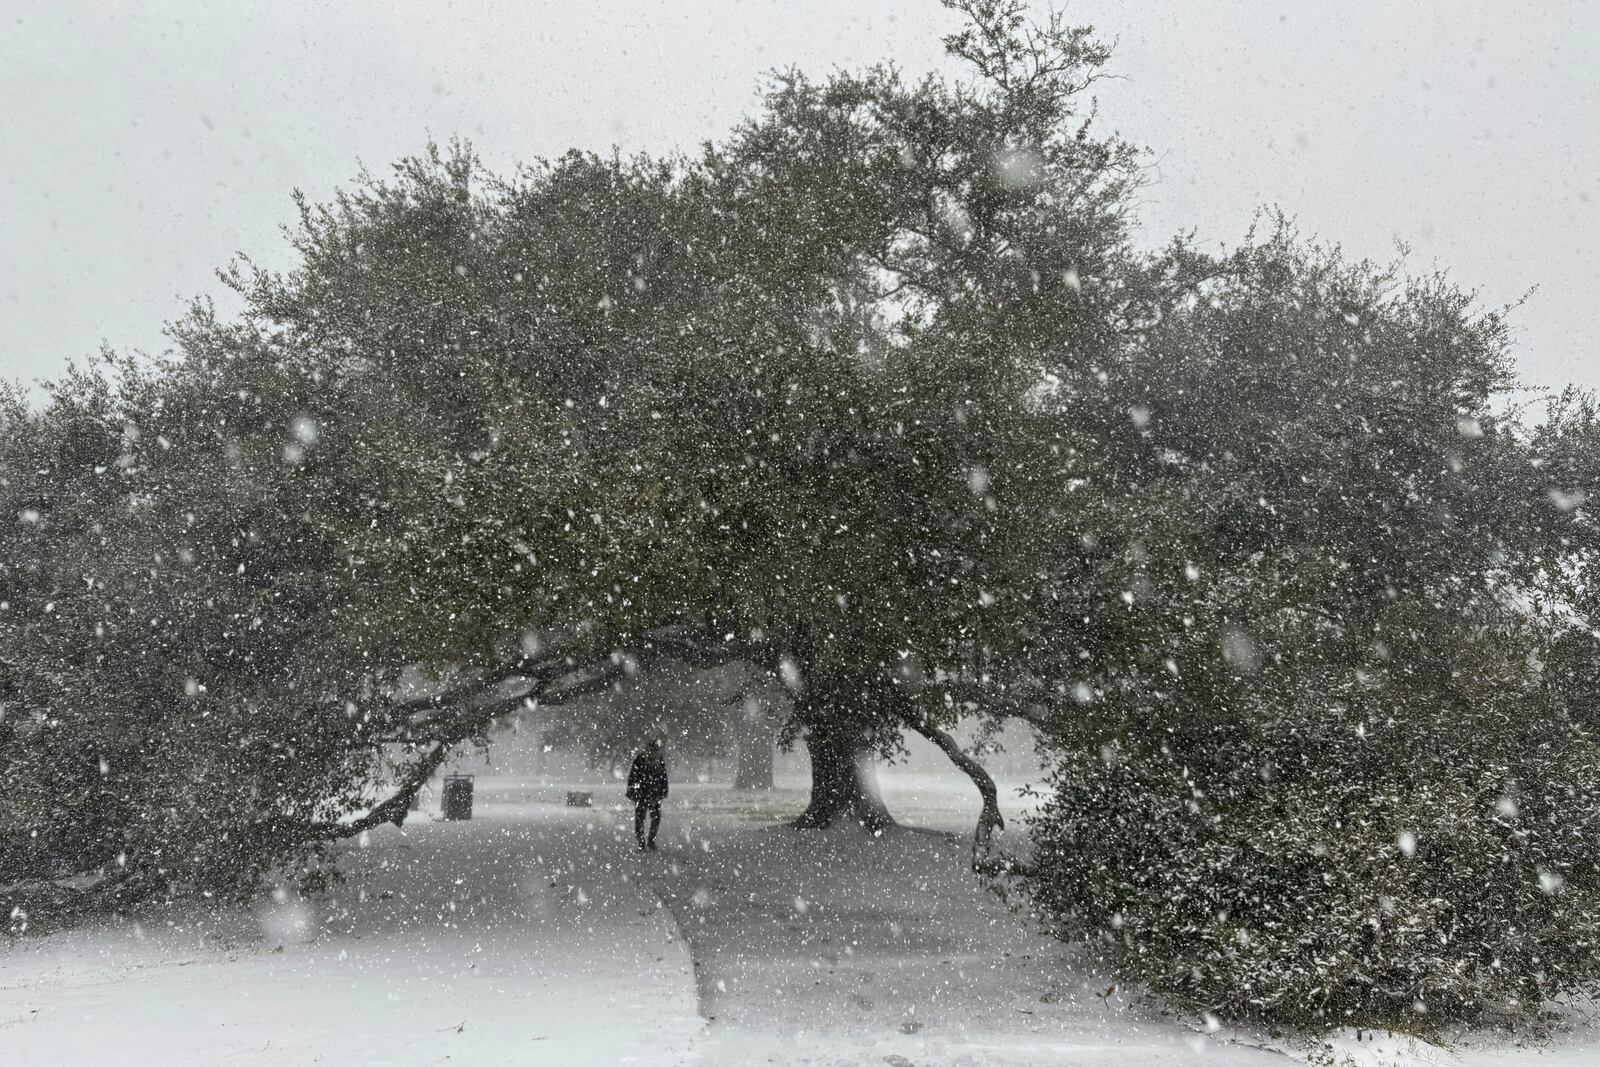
(146, 143)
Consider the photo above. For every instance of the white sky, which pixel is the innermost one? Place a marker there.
(146, 143)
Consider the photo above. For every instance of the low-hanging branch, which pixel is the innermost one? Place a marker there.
(394, 809)
(576, 679)
(990, 819)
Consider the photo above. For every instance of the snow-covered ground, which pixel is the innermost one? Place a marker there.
(518, 937)
(835, 948)
(537, 933)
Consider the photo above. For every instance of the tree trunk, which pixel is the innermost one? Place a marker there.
(754, 768)
(843, 785)
(756, 736)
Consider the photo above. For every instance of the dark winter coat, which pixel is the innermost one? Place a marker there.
(647, 780)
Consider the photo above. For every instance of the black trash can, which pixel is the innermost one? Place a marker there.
(456, 803)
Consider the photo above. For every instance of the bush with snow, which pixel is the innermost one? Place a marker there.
(1386, 849)
(1330, 756)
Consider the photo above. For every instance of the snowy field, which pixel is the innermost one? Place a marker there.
(537, 933)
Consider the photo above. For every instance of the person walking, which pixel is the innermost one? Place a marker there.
(647, 788)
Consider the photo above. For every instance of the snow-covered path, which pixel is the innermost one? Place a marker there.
(836, 948)
(518, 937)
(535, 934)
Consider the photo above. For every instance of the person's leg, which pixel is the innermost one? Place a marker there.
(655, 823)
(638, 821)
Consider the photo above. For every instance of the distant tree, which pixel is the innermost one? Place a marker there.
(755, 719)
(683, 706)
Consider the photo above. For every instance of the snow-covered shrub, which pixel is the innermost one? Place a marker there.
(1318, 688)
(1378, 850)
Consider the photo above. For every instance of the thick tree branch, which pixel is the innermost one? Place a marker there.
(395, 809)
(990, 819)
